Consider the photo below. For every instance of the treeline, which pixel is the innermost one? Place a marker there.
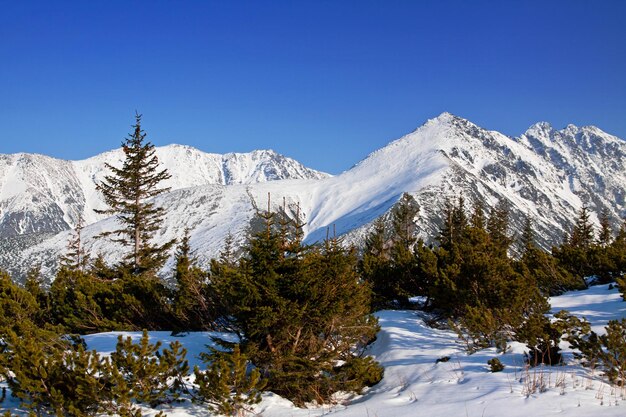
(490, 297)
(471, 260)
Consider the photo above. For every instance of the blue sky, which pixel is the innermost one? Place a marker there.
(324, 82)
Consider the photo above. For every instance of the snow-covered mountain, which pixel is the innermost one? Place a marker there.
(546, 173)
(39, 194)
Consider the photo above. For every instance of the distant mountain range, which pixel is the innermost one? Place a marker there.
(546, 173)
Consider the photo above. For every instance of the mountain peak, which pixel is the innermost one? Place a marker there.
(545, 133)
(539, 127)
(446, 117)
(179, 146)
(444, 121)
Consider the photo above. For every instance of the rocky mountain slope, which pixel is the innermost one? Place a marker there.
(39, 194)
(546, 173)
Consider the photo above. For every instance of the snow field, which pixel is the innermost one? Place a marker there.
(415, 384)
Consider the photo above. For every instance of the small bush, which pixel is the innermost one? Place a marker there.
(495, 364)
(608, 351)
(142, 372)
(479, 328)
(542, 339)
(50, 376)
(358, 373)
(613, 356)
(227, 386)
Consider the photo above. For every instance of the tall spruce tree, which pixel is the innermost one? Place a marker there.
(576, 253)
(477, 219)
(497, 227)
(128, 191)
(603, 257)
(582, 235)
(550, 277)
(605, 234)
(454, 224)
(402, 253)
(375, 265)
(619, 252)
(527, 240)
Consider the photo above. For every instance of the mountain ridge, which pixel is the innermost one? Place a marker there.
(41, 194)
(545, 173)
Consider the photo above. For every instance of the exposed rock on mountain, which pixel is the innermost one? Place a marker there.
(546, 173)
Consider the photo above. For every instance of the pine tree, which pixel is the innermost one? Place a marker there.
(226, 385)
(35, 286)
(375, 242)
(459, 216)
(527, 240)
(101, 270)
(227, 255)
(603, 257)
(541, 266)
(582, 234)
(446, 235)
(402, 253)
(542, 339)
(128, 191)
(191, 304)
(452, 236)
(82, 303)
(618, 248)
(76, 257)
(454, 224)
(17, 305)
(605, 234)
(145, 373)
(477, 219)
(576, 254)
(613, 356)
(298, 311)
(50, 376)
(389, 261)
(375, 265)
(427, 272)
(403, 221)
(497, 227)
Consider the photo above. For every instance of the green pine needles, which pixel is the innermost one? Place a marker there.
(300, 310)
(145, 373)
(228, 386)
(128, 192)
(53, 376)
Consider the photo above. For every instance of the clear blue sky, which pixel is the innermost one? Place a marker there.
(324, 82)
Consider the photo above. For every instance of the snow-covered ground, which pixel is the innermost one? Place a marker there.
(416, 385)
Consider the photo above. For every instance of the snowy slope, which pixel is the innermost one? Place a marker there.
(37, 194)
(573, 167)
(546, 173)
(415, 384)
(42, 194)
